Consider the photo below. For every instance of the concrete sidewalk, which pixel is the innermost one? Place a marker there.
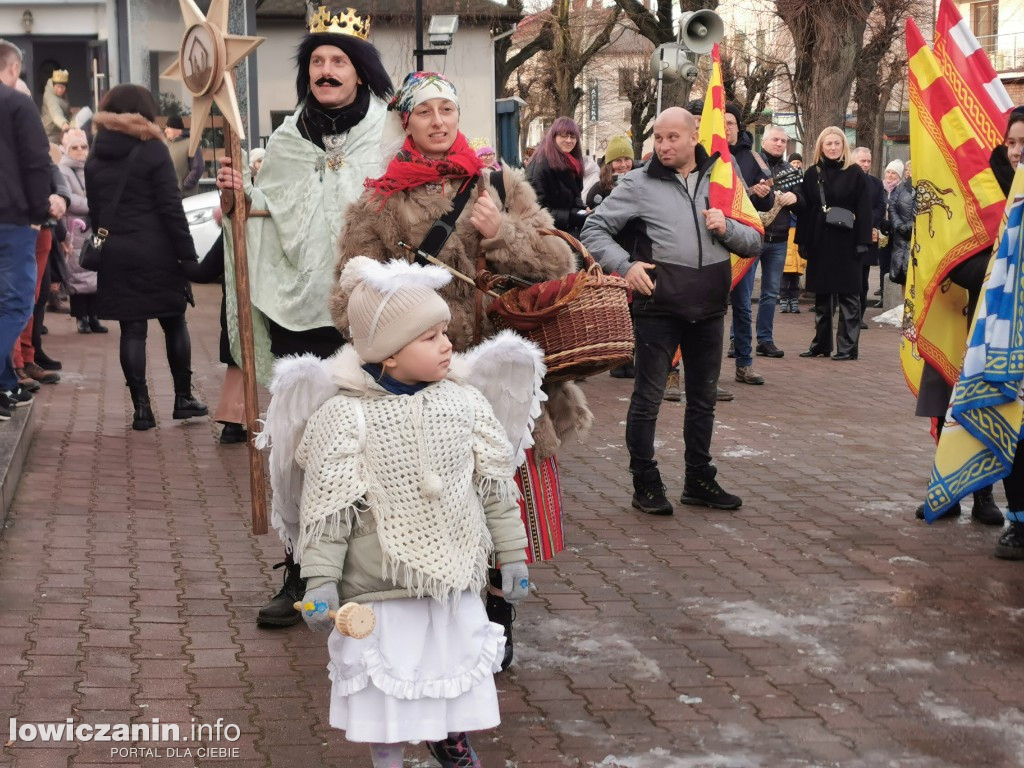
(819, 625)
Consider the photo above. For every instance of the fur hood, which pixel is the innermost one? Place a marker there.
(130, 123)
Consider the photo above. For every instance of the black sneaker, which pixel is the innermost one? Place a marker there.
(732, 350)
(18, 397)
(768, 349)
(708, 493)
(5, 412)
(954, 511)
(1011, 544)
(649, 494)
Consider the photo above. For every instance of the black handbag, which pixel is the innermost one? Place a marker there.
(90, 256)
(839, 218)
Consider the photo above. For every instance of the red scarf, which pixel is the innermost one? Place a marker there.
(410, 169)
(574, 164)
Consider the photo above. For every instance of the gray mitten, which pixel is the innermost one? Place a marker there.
(515, 581)
(316, 603)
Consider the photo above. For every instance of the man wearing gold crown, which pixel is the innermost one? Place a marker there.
(56, 109)
(315, 165)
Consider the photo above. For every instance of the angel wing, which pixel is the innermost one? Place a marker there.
(301, 384)
(509, 371)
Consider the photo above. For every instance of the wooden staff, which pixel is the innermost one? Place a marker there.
(257, 474)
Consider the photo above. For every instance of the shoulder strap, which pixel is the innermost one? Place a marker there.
(442, 229)
(821, 190)
(497, 181)
(120, 187)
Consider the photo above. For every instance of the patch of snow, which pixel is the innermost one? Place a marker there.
(907, 559)
(893, 317)
(689, 699)
(909, 665)
(577, 643)
(742, 452)
(749, 618)
(660, 758)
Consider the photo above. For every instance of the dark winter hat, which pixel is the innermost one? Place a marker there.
(795, 156)
(695, 107)
(734, 110)
(175, 121)
(364, 57)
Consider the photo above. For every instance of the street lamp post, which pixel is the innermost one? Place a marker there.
(442, 37)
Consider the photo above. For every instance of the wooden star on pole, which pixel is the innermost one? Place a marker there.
(205, 62)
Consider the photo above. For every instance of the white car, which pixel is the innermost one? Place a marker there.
(199, 214)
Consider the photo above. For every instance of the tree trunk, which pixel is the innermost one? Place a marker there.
(828, 35)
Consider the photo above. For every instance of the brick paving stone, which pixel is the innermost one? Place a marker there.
(820, 624)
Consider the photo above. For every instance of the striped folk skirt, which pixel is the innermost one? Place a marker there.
(540, 503)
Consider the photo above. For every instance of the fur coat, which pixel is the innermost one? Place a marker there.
(374, 230)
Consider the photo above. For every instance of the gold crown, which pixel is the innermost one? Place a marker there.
(347, 23)
(60, 77)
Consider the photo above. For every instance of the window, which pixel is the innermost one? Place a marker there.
(626, 75)
(985, 22)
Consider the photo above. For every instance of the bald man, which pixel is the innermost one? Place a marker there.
(680, 274)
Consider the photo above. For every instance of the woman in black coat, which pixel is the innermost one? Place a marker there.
(556, 174)
(834, 254)
(140, 275)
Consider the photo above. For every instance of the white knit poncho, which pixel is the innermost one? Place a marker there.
(420, 464)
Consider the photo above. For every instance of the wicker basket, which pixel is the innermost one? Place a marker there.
(585, 332)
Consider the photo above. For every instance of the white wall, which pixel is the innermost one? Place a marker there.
(469, 64)
(71, 19)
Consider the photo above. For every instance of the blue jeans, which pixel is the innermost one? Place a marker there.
(773, 262)
(741, 332)
(17, 291)
(701, 345)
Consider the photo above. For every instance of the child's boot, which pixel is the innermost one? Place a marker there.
(454, 752)
(500, 611)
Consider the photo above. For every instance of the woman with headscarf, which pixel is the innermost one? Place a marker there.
(497, 230)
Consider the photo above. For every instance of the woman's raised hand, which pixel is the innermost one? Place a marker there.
(485, 216)
(228, 177)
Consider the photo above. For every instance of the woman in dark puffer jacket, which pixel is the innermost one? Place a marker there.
(140, 276)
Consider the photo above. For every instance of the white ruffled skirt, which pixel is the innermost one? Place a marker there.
(425, 672)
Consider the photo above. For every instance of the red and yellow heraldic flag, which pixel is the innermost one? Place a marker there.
(959, 207)
(727, 191)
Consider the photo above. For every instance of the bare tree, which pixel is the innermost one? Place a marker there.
(580, 33)
(509, 58)
(828, 36)
(641, 91)
(658, 27)
(881, 66)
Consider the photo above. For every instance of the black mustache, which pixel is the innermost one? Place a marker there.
(328, 81)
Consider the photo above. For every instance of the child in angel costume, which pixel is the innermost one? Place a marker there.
(405, 455)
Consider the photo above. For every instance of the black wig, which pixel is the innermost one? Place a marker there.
(364, 57)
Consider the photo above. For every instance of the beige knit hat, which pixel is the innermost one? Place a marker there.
(390, 304)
